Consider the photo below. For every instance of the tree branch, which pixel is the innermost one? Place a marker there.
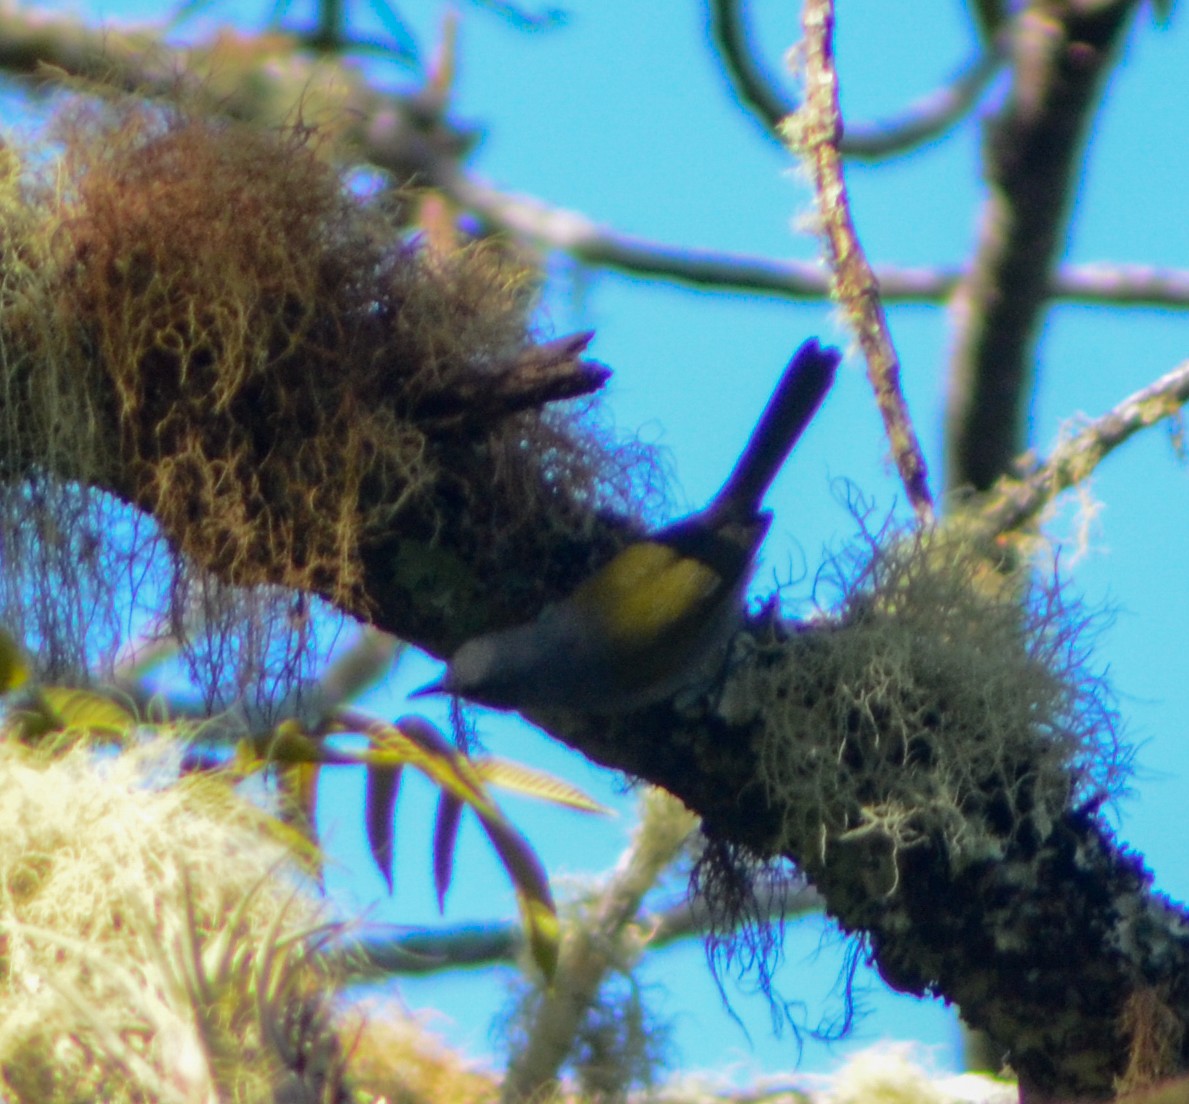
(1015, 503)
(814, 132)
(1000, 935)
(1061, 54)
(593, 945)
(591, 243)
(405, 136)
(377, 952)
(923, 121)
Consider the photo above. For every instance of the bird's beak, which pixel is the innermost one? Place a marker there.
(438, 686)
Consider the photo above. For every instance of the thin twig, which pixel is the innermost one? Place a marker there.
(1015, 502)
(922, 121)
(589, 242)
(377, 952)
(926, 118)
(814, 131)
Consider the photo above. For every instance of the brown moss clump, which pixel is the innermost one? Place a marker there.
(934, 709)
(55, 559)
(263, 338)
(1156, 1034)
(199, 319)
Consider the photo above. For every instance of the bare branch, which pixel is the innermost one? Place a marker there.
(1061, 54)
(1120, 285)
(757, 90)
(587, 241)
(1015, 502)
(380, 952)
(814, 131)
(924, 120)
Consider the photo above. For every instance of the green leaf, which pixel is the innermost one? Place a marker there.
(84, 711)
(14, 672)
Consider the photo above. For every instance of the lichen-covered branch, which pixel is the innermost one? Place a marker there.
(594, 944)
(814, 132)
(1013, 503)
(934, 761)
(1061, 53)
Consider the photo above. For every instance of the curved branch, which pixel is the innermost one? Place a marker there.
(922, 121)
(757, 90)
(925, 119)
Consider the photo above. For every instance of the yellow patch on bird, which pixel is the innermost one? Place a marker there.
(646, 591)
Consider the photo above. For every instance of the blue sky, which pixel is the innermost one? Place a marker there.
(626, 118)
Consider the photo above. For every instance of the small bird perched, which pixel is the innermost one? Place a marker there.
(656, 618)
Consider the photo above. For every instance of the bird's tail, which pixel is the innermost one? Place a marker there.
(790, 409)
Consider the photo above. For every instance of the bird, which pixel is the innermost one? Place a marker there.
(657, 618)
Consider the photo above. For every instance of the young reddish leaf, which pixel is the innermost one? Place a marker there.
(445, 836)
(414, 741)
(383, 785)
(537, 910)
